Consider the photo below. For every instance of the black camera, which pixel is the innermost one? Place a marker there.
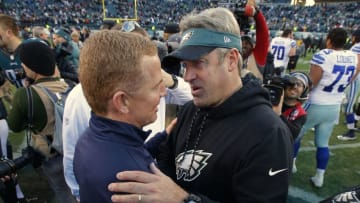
(239, 12)
(276, 87)
(19, 73)
(28, 155)
(16, 74)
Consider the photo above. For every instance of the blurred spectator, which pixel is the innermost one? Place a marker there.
(63, 53)
(84, 34)
(75, 37)
(172, 36)
(107, 25)
(41, 33)
(171, 29)
(62, 39)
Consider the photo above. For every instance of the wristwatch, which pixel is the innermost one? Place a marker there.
(192, 198)
(175, 82)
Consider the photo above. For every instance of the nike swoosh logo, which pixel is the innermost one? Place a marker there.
(272, 173)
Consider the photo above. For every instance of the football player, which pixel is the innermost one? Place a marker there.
(351, 94)
(282, 48)
(332, 69)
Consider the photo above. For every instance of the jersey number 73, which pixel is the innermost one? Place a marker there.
(340, 71)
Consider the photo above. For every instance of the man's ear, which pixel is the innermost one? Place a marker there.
(233, 60)
(9, 32)
(120, 102)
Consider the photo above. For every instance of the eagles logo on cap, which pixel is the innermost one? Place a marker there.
(187, 36)
(197, 42)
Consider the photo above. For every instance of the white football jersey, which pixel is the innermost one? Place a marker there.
(356, 48)
(338, 68)
(280, 48)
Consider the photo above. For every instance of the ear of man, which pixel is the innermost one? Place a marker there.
(233, 56)
(120, 102)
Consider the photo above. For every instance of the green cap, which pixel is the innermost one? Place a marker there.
(198, 42)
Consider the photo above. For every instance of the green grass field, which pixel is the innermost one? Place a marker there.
(343, 169)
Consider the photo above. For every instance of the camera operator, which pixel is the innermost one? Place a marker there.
(254, 54)
(12, 74)
(39, 63)
(296, 91)
(295, 87)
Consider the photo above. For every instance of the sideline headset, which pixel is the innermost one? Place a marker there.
(304, 78)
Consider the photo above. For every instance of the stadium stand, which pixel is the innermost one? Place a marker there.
(158, 13)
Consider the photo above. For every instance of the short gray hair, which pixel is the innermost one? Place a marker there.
(218, 19)
(38, 30)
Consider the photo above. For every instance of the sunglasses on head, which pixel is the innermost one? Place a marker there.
(129, 26)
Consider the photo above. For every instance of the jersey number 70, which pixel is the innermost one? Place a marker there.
(278, 52)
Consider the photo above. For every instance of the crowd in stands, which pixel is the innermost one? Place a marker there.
(158, 13)
(54, 12)
(312, 19)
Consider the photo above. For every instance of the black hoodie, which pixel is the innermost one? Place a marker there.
(243, 150)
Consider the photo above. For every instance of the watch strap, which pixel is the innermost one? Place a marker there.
(192, 198)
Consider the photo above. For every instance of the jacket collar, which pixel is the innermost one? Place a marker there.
(108, 129)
